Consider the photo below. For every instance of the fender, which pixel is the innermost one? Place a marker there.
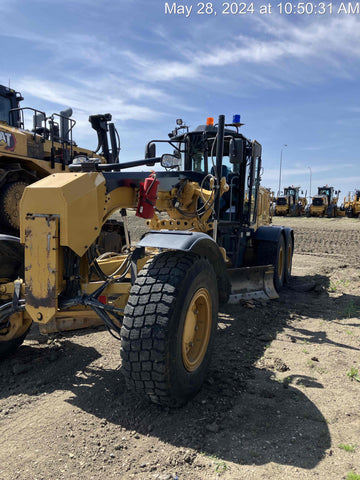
(14, 173)
(272, 234)
(195, 242)
(289, 235)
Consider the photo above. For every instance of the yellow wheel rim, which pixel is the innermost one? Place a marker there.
(281, 262)
(197, 329)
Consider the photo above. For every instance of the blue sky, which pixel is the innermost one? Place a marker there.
(293, 78)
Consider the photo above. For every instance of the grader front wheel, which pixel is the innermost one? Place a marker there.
(169, 327)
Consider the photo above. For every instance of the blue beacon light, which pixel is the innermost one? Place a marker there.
(236, 118)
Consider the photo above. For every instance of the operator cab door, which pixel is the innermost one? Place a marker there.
(238, 206)
(244, 181)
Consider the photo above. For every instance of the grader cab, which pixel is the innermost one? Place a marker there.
(209, 242)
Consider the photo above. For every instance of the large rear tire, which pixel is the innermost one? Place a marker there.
(169, 327)
(288, 259)
(274, 253)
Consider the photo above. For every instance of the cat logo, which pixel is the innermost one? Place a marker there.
(7, 140)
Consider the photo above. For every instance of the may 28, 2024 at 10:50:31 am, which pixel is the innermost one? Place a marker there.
(251, 8)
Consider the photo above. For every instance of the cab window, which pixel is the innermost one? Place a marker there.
(5, 106)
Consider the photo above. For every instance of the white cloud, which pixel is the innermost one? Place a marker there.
(285, 41)
(85, 100)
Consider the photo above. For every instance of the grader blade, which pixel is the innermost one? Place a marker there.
(254, 283)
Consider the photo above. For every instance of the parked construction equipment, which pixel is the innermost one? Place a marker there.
(290, 203)
(27, 156)
(352, 204)
(324, 203)
(210, 241)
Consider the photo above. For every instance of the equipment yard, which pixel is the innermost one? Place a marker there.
(280, 401)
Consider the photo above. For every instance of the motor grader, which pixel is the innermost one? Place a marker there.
(209, 241)
(324, 203)
(290, 203)
(26, 156)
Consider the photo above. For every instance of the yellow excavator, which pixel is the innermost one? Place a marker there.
(209, 241)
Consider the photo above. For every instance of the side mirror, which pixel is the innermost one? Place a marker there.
(257, 149)
(150, 151)
(170, 161)
(236, 150)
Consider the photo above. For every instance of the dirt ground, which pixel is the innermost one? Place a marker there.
(281, 400)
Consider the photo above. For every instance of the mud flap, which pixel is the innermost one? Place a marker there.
(252, 283)
(41, 251)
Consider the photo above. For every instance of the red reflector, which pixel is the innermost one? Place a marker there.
(102, 299)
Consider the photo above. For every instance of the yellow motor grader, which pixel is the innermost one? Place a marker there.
(209, 242)
(290, 203)
(26, 156)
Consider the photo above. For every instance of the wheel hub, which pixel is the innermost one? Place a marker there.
(197, 328)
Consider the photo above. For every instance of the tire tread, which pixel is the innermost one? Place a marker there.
(155, 289)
